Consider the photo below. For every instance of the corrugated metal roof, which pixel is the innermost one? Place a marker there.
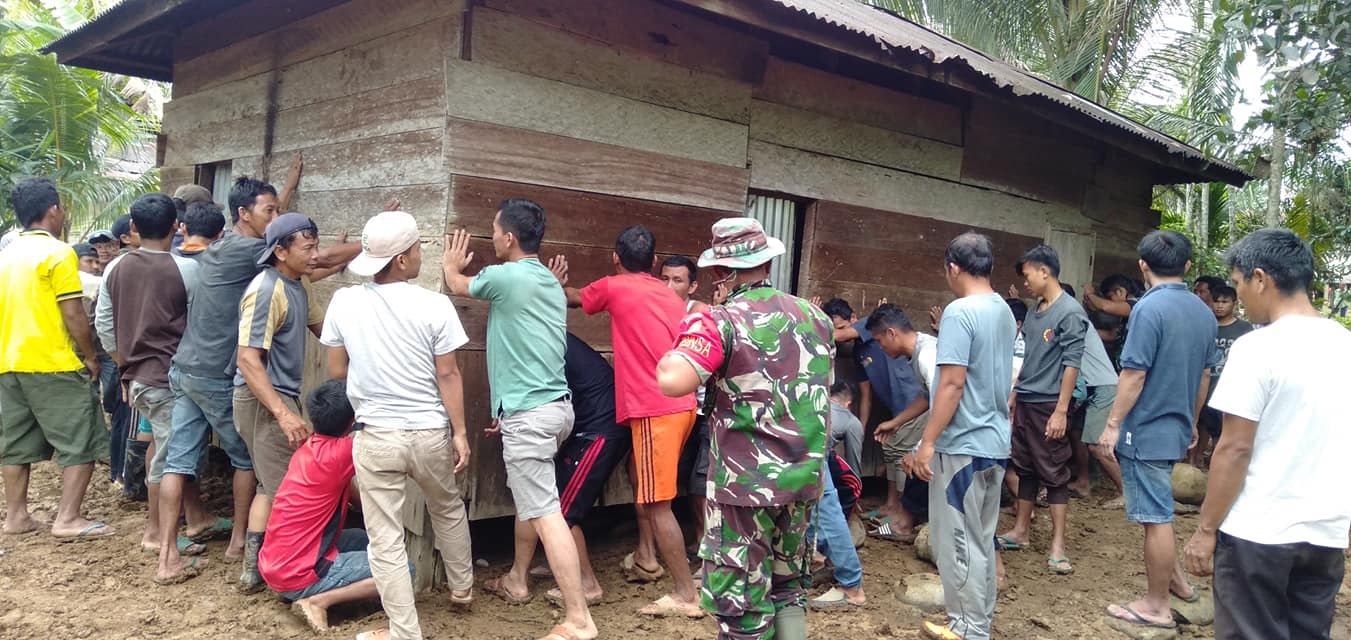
(893, 32)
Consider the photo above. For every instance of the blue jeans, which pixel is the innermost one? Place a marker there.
(110, 383)
(1147, 487)
(834, 539)
(351, 566)
(202, 404)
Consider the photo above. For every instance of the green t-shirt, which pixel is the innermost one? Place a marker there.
(527, 334)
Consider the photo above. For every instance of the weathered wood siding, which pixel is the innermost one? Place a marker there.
(619, 112)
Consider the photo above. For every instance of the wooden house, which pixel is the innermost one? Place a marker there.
(862, 140)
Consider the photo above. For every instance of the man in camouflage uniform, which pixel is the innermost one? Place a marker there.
(769, 354)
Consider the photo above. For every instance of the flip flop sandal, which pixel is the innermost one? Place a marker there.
(555, 598)
(832, 600)
(1059, 566)
(185, 546)
(1004, 543)
(498, 589)
(559, 631)
(667, 607)
(634, 572)
(1135, 619)
(87, 534)
(462, 600)
(542, 572)
(885, 532)
(221, 527)
(185, 573)
(37, 526)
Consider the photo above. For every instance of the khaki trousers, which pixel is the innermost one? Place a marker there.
(385, 460)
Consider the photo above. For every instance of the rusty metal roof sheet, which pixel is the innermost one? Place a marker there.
(892, 32)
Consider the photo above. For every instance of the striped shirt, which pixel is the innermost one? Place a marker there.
(272, 317)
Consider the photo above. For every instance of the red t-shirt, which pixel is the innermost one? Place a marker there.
(307, 514)
(644, 317)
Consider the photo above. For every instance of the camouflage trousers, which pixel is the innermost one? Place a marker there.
(756, 561)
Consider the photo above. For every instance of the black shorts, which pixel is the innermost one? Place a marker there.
(583, 466)
(694, 459)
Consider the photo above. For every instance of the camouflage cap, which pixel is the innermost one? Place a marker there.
(740, 243)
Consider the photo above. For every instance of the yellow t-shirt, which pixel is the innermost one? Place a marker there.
(36, 272)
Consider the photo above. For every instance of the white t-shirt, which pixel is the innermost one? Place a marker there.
(1290, 378)
(392, 333)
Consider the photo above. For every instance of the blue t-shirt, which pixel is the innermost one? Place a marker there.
(977, 332)
(890, 378)
(1171, 337)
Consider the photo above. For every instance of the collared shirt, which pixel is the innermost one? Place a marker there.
(37, 272)
(770, 354)
(527, 329)
(1171, 337)
(272, 317)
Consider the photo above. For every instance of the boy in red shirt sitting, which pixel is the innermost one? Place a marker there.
(307, 557)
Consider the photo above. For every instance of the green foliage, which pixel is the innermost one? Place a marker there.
(62, 122)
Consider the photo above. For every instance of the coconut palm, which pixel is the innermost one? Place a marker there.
(63, 122)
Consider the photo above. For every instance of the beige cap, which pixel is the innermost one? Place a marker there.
(386, 235)
(190, 193)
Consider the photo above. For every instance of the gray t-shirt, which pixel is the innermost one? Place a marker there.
(1097, 369)
(977, 332)
(1054, 340)
(272, 316)
(845, 427)
(226, 268)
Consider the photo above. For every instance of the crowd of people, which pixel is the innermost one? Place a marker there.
(174, 329)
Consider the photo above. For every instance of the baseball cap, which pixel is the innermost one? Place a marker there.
(122, 227)
(190, 193)
(101, 236)
(281, 227)
(385, 235)
(85, 250)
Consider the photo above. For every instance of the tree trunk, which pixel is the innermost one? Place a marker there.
(1188, 220)
(1203, 218)
(1277, 176)
(1231, 214)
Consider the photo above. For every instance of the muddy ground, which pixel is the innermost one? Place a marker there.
(103, 589)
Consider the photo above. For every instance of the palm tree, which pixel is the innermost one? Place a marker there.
(63, 122)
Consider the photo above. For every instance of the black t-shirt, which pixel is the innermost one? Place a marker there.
(592, 382)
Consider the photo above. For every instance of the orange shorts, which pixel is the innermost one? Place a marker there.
(657, 442)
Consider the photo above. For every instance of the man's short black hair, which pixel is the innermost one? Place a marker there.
(838, 308)
(182, 206)
(888, 316)
(1041, 255)
(204, 219)
(682, 261)
(1117, 281)
(972, 252)
(245, 193)
(1223, 292)
(1284, 257)
(155, 216)
(329, 409)
(1211, 282)
(1165, 252)
(122, 227)
(525, 220)
(1018, 307)
(32, 198)
(636, 249)
(1064, 286)
(842, 389)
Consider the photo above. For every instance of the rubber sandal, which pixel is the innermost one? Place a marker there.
(37, 526)
(634, 572)
(542, 572)
(1196, 596)
(1138, 620)
(667, 607)
(559, 631)
(885, 532)
(462, 600)
(496, 588)
(832, 600)
(221, 527)
(555, 597)
(935, 631)
(1004, 543)
(1059, 566)
(185, 546)
(87, 534)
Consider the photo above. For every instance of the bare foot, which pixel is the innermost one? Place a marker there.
(188, 567)
(378, 634)
(21, 525)
(568, 631)
(855, 595)
(314, 614)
